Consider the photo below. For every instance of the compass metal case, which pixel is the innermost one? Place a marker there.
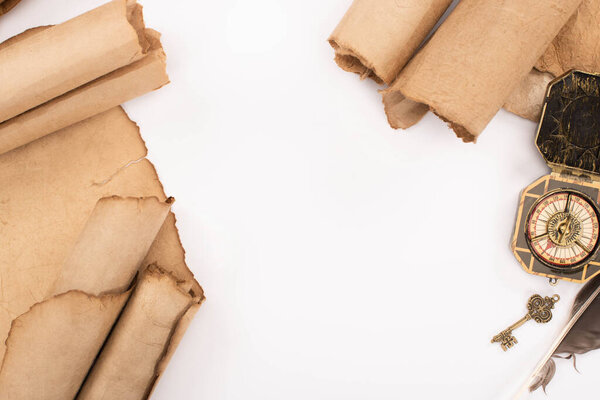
(557, 228)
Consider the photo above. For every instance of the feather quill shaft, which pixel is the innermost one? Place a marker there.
(585, 338)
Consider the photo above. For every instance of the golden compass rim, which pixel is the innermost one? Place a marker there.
(570, 268)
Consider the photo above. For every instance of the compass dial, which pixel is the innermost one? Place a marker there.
(562, 229)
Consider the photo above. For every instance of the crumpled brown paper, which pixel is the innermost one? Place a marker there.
(90, 64)
(50, 188)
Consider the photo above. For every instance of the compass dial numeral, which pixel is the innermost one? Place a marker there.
(562, 229)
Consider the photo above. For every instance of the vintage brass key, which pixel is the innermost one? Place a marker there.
(538, 309)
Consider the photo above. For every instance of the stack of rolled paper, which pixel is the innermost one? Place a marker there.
(484, 56)
(95, 293)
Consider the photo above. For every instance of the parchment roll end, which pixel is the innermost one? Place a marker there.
(351, 61)
(402, 113)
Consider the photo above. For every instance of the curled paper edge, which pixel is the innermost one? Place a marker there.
(141, 343)
(26, 372)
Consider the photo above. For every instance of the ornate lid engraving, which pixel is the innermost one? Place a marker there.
(569, 132)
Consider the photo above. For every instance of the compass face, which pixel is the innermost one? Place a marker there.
(562, 229)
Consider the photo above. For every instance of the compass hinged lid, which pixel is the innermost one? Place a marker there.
(569, 132)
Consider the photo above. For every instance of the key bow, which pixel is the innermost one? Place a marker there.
(540, 308)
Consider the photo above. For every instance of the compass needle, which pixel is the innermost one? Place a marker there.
(583, 247)
(539, 237)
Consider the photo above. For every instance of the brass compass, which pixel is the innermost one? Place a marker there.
(562, 229)
(557, 229)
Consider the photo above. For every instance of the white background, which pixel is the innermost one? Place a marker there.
(341, 259)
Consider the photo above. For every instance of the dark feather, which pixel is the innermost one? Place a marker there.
(544, 377)
(582, 333)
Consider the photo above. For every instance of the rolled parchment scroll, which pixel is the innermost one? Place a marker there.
(376, 38)
(477, 57)
(127, 367)
(90, 64)
(112, 246)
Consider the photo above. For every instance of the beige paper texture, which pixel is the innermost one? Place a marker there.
(95, 97)
(23, 35)
(477, 57)
(168, 252)
(402, 112)
(176, 337)
(50, 188)
(49, 338)
(127, 367)
(573, 48)
(53, 345)
(376, 38)
(527, 99)
(112, 245)
(576, 46)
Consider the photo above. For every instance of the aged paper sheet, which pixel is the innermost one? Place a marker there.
(53, 345)
(106, 92)
(376, 38)
(82, 210)
(51, 187)
(477, 57)
(91, 290)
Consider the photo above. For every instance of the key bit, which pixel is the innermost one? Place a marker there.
(539, 309)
